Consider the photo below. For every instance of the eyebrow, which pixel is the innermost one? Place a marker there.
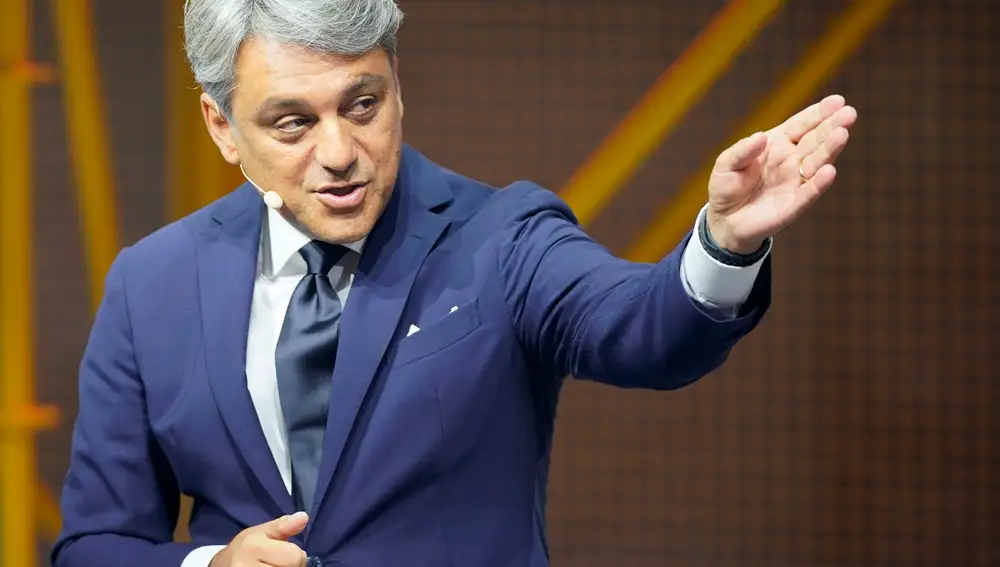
(363, 82)
(360, 84)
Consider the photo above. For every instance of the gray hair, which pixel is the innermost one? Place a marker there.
(214, 30)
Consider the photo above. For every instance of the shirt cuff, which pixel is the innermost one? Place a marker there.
(712, 283)
(202, 556)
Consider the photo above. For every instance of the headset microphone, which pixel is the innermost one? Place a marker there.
(271, 199)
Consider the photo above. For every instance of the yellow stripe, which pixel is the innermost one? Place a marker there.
(819, 63)
(17, 333)
(181, 113)
(663, 106)
(196, 172)
(88, 137)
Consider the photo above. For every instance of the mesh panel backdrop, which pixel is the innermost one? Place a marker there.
(854, 427)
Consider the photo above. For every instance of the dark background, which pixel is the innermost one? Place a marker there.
(855, 427)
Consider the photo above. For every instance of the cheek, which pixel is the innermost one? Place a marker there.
(382, 138)
(389, 158)
(287, 165)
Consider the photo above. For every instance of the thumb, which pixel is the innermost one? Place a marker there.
(286, 526)
(742, 153)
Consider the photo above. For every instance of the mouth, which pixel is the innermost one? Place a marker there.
(342, 197)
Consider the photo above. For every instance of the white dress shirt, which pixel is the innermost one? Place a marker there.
(720, 289)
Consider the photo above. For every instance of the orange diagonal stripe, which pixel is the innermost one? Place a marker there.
(818, 64)
(661, 108)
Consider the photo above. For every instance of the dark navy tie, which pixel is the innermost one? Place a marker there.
(304, 360)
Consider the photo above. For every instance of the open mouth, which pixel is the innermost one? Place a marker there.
(343, 197)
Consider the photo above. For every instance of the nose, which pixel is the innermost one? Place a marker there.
(336, 149)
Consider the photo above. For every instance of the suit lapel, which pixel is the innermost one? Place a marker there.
(227, 268)
(403, 237)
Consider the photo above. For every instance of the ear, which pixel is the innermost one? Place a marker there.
(399, 87)
(219, 128)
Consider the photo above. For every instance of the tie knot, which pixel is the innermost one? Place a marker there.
(320, 256)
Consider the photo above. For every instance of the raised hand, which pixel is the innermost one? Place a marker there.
(761, 184)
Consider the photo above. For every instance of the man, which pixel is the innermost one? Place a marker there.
(365, 371)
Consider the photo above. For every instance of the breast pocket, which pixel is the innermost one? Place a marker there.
(439, 335)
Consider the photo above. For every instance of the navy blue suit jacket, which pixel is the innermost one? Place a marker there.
(437, 444)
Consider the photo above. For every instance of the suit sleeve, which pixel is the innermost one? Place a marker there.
(120, 499)
(580, 310)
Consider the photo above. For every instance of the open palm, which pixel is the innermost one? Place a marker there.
(757, 187)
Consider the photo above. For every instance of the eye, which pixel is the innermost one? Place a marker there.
(291, 125)
(362, 107)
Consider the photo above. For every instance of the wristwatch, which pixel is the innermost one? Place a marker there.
(726, 257)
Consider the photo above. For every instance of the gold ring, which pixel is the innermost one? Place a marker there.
(802, 176)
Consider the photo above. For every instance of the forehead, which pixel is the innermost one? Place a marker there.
(267, 68)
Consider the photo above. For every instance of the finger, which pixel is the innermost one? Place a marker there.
(797, 126)
(814, 188)
(274, 553)
(826, 154)
(286, 526)
(843, 118)
(284, 554)
(742, 153)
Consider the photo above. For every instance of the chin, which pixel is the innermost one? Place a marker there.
(339, 234)
(342, 230)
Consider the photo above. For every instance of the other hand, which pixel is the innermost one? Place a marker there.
(756, 190)
(266, 545)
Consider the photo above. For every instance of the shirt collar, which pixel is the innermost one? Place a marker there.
(284, 240)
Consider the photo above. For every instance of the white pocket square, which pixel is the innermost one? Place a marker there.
(414, 329)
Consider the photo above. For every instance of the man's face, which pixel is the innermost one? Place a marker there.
(322, 131)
